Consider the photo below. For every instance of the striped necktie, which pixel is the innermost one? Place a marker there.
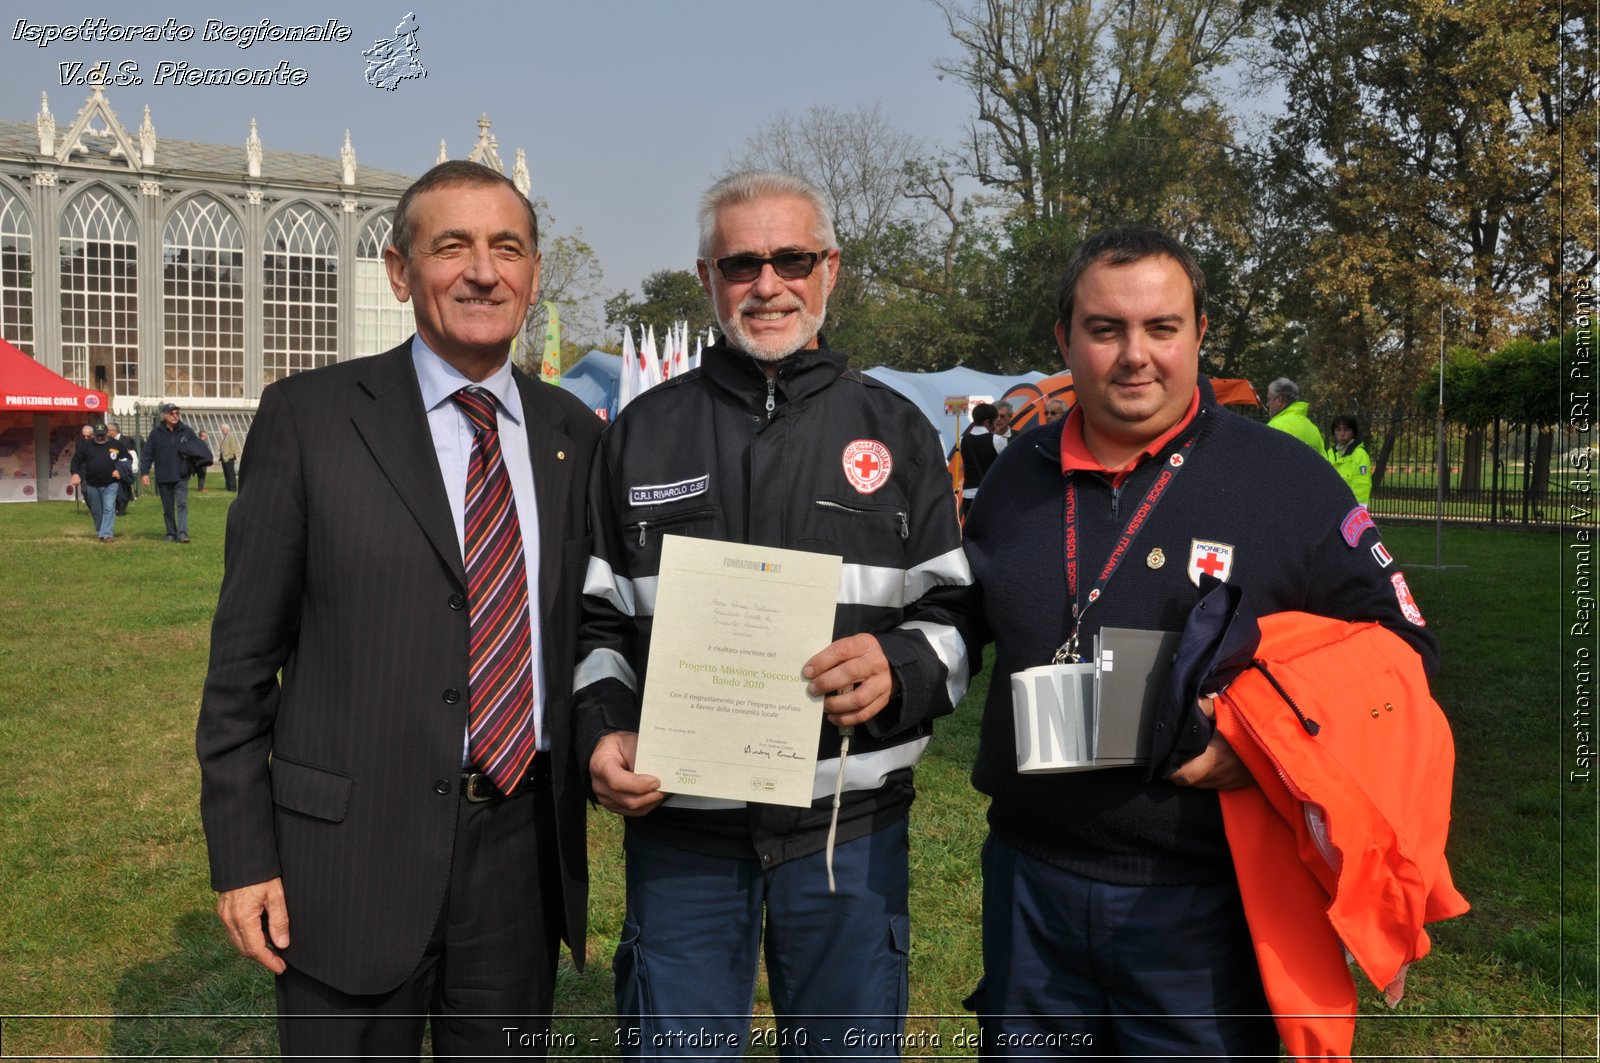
(501, 737)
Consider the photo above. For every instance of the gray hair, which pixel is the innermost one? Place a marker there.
(1285, 389)
(748, 185)
(1004, 405)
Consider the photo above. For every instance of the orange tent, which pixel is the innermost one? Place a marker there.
(1027, 400)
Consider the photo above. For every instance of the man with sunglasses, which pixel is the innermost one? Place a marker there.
(774, 441)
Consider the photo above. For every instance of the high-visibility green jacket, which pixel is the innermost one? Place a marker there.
(1292, 419)
(1356, 468)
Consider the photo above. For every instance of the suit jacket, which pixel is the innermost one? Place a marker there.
(344, 574)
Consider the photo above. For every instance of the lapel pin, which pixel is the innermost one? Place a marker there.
(561, 455)
(1156, 558)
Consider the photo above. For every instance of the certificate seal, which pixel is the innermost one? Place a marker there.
(867, 464)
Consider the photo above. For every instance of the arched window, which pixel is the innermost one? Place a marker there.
(202, 262)
(16, 273)
(382, 321)
(300, 322)
(100, 293)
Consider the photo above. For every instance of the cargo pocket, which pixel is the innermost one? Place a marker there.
(900, 945)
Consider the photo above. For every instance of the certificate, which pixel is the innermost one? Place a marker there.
(725, 711)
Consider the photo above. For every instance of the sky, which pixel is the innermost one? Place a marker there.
(627, 109)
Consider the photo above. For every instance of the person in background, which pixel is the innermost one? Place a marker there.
(98, 469)
(1054, 410)
(1289, 413)
(131, 449)
(228, 455)
(978, 451)
(200, 470)
(163, 456)
(1001, 429)
(1349, 456)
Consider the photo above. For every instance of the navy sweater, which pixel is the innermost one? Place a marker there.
(1296, 545)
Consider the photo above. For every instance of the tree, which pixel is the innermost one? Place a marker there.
(670, 296)
(570, 277)
(1091, 114)
(856, 157)
(1421, 147)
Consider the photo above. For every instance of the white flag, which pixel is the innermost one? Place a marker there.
(680, 348)
(628, 380)
(652, 360)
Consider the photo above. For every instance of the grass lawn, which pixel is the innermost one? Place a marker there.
(109, 945)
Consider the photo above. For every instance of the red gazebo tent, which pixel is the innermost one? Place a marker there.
(40, 415)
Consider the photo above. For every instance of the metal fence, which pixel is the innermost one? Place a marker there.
(1503, 474)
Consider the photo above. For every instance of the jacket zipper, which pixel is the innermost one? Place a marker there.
(772, 401)
(905, 523)
(677, 518)
(1312, 727)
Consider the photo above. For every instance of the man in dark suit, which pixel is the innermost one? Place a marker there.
(360, 798)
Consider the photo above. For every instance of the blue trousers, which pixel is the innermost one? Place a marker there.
(175, 507)
(106, 524)
(1074, 967)
(836, 962)
(94, 499)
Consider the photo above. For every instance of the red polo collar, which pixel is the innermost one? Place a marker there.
(1076, 457)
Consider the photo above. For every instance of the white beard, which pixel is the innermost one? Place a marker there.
(773, 351)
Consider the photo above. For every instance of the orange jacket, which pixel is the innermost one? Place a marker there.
(1340, 846)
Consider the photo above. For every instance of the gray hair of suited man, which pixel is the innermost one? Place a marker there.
(1285, 389)
(452, 172)
(748, 185)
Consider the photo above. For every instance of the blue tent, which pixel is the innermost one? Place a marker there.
(594, 380)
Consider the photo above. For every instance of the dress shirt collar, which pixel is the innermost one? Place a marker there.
(438, 380)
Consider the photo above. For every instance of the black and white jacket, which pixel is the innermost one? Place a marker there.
(823, 459)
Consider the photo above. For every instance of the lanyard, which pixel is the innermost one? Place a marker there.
(1068, 653)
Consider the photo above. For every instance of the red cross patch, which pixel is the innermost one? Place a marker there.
(1213, 559)
(867, 464)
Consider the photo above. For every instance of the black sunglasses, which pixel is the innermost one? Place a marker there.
(790, 265)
